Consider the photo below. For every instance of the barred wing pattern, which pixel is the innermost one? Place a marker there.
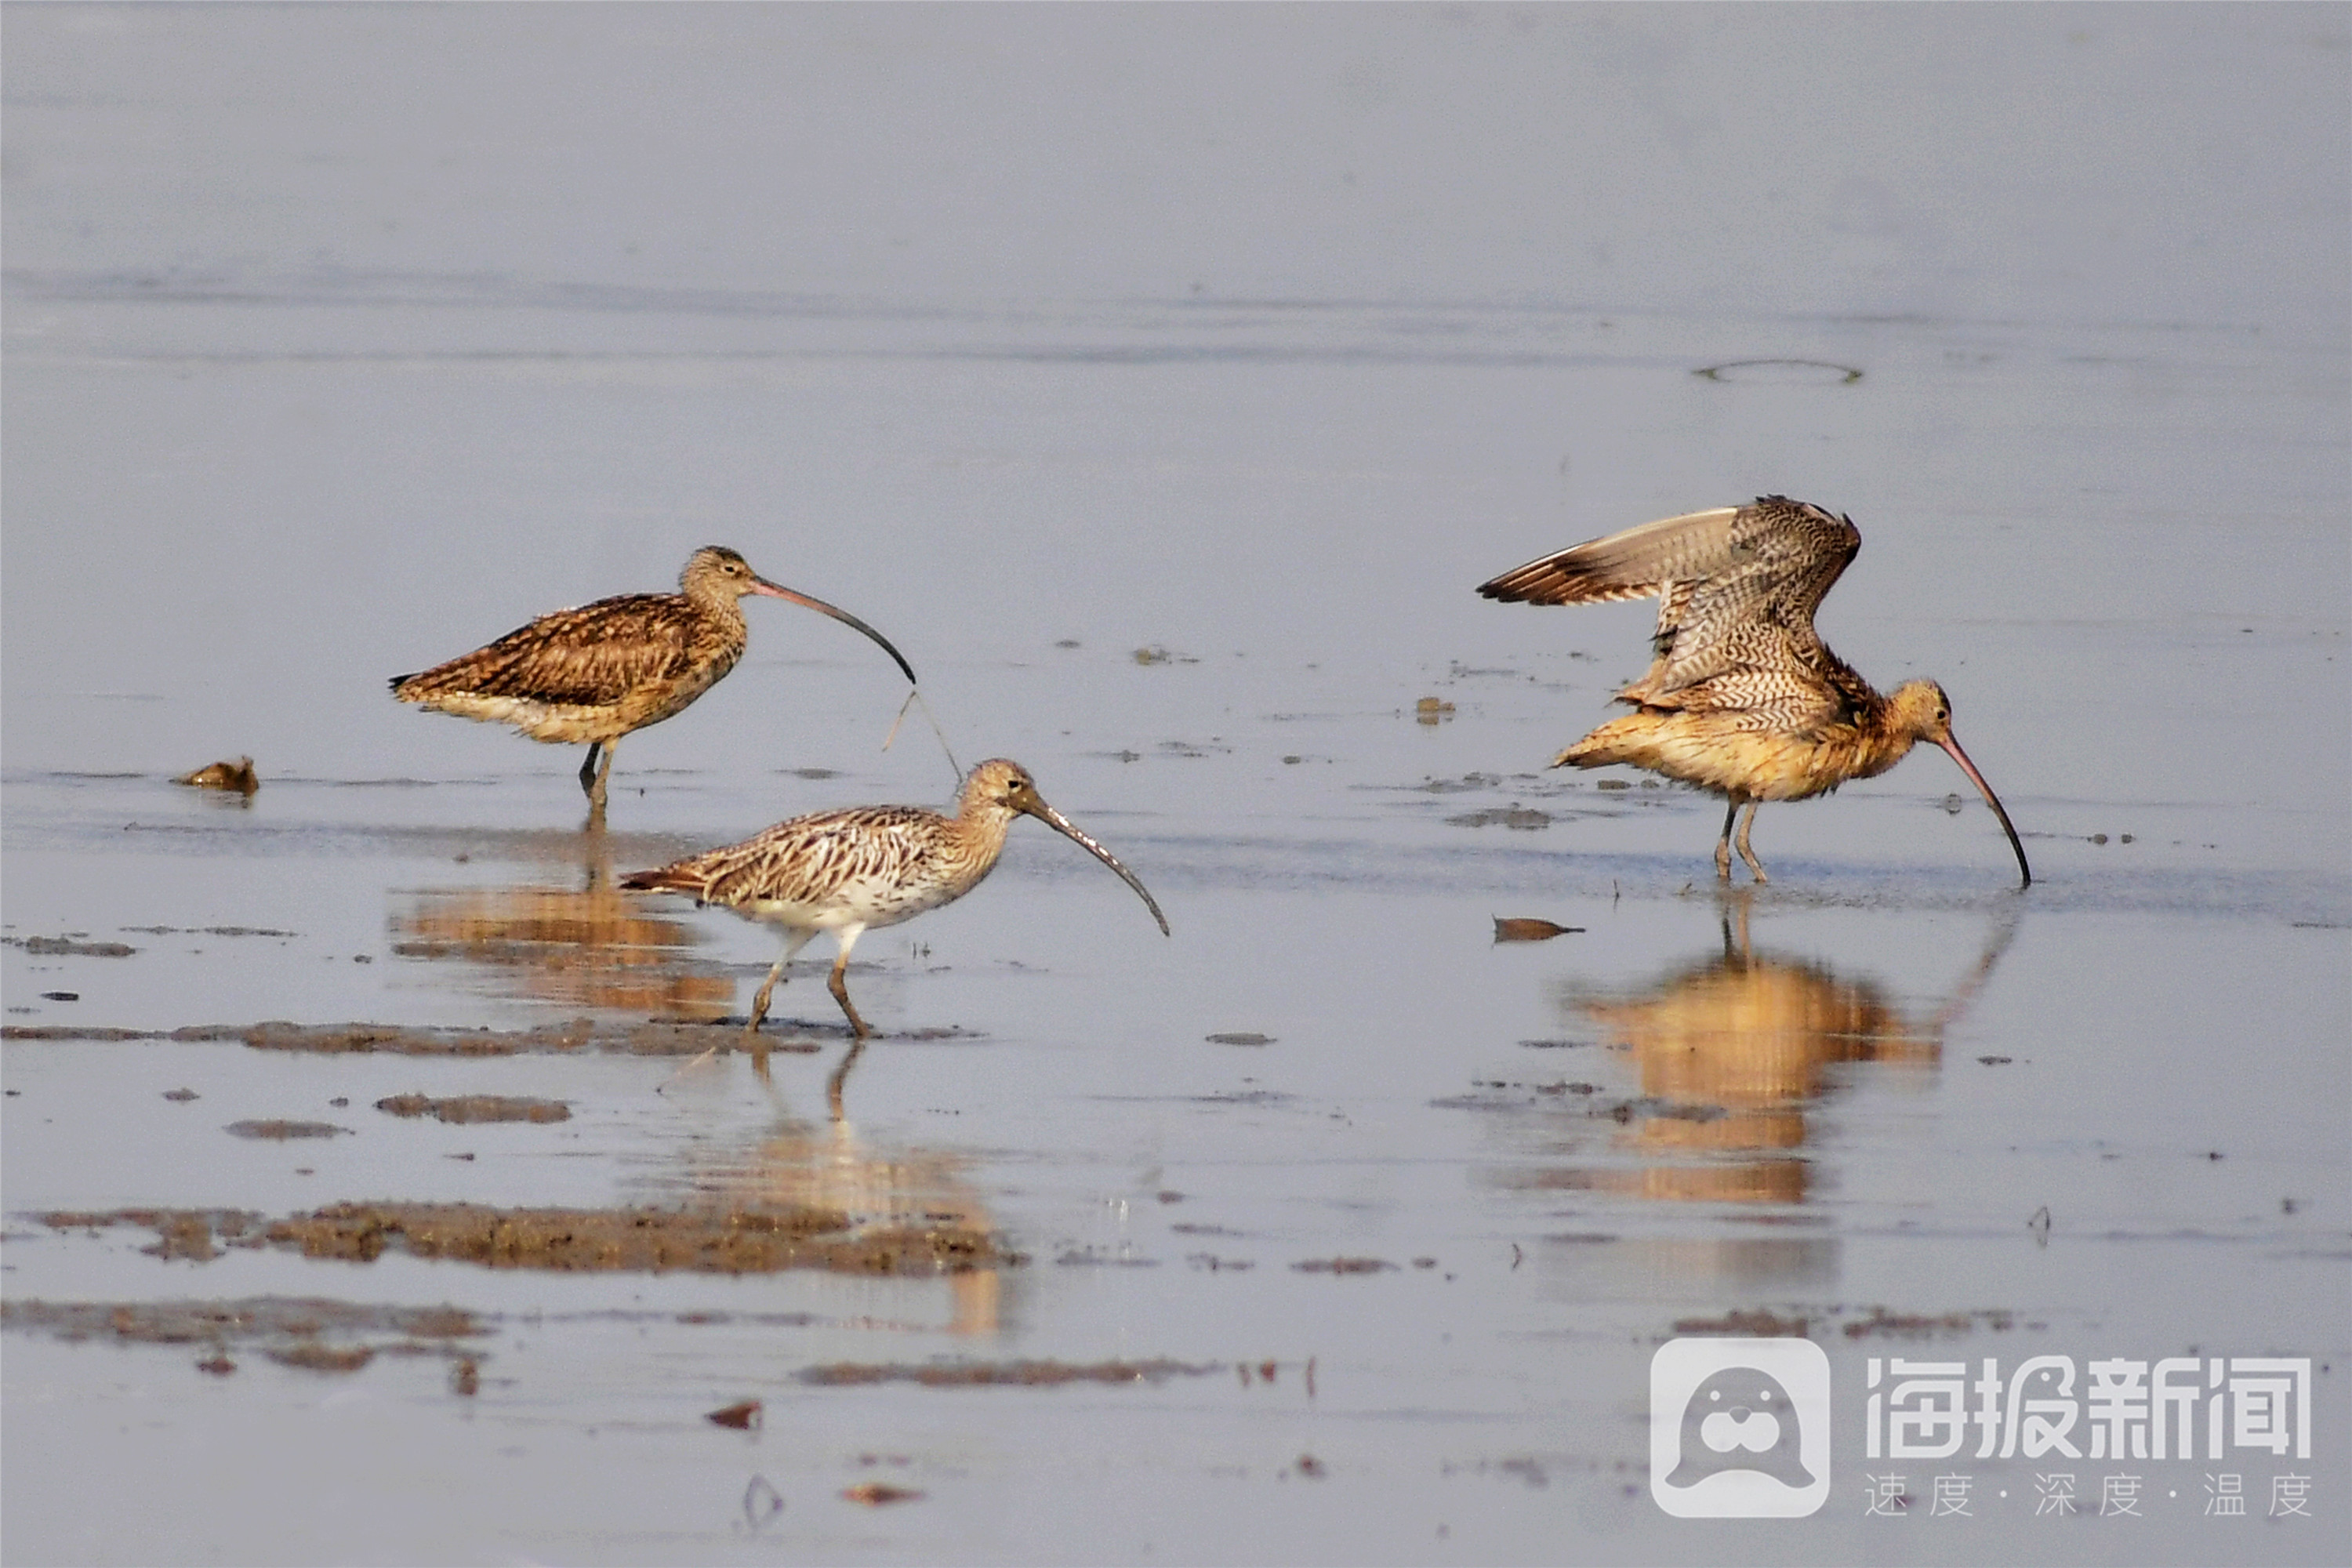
(591, 657)
(1736, 589)
(869, 858)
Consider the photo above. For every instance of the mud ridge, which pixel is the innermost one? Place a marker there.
(709, 1240)
(464, 1108)
(988, 1373)
(652, 1038)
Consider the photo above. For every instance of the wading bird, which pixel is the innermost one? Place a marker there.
(1743, 700)
(843, 871)
(592, 675)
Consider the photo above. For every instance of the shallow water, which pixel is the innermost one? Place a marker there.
(1172, 470)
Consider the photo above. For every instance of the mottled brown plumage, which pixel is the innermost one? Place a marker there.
(1743, 698)
(843, 871)
(594, 674)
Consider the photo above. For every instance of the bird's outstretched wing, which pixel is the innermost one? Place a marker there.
(1736, 589)
(595, 655)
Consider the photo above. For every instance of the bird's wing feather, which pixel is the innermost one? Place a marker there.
(1737, 590)
(1636, 565)
(805, 860)
(1755, 610)
(592, 655)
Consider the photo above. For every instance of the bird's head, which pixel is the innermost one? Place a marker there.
(999, 784)
(717, 572)
(1921, 710)
(1003, 785)
(715, 568)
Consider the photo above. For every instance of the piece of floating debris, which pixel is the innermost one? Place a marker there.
(1516, 930)
(1781, 372)
(1343, 1266)
(466, 1107)
(283, 1130)
(742, 1416)
(66, 947)
(238, 775)
(1240, 1037)
(323, 1358)
(1432, 710)
(1759, 1324)
(874, 1494)
(1519, 818)
(1920, 1325)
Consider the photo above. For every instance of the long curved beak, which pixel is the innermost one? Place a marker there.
(1068, 829)
(1970, 768)
(776, 591)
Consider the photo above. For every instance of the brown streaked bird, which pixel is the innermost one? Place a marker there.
(592, 675)
(845, 871)
(1743, 700)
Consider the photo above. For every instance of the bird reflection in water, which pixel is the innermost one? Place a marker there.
(1732, 1051)
(914, 1214)
(586, 945)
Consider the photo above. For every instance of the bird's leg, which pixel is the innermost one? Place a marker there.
(1723, 845)
(1745, 853)
(839, 986)
(596, 791)
(793, 941)
(841, 995)
(760, 1002)
(588, 780)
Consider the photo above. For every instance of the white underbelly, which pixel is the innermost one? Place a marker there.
(864, 902)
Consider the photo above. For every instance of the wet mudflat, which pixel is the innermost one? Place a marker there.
(370, 1193)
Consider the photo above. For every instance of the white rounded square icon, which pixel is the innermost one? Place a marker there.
(1739, 1428)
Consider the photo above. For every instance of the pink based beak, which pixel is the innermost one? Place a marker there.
(1970, 768)
(775, 591)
